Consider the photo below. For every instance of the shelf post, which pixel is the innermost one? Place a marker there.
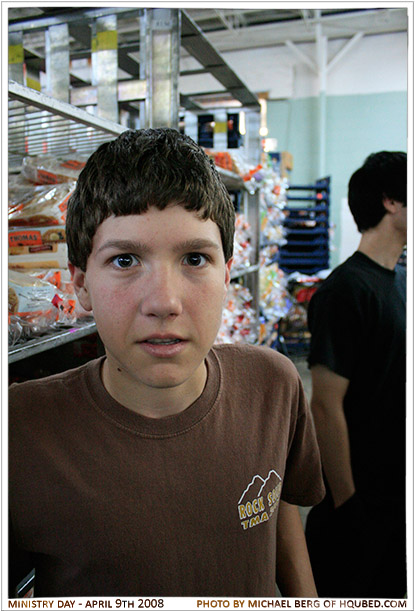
(252, 139)
(16, 59)
(57, 62)
(57, 79)
(16, 56)
(159, 66)
(105, 66)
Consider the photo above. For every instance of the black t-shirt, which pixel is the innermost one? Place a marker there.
(358, 324)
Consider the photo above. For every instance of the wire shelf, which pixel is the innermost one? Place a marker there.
(40, 125)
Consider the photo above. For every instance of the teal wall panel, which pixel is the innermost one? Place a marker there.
(357, 125)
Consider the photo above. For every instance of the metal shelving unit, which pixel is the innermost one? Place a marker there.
(50, 340)
(36, 120)
(34, 117)
(133, 41)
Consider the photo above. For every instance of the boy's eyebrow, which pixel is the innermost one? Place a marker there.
(124, 245)
(128, 246)
(195, 244)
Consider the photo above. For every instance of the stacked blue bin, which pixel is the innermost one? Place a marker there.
(307, 229)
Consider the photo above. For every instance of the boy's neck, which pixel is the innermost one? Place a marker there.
(382, 247)
(152, 402)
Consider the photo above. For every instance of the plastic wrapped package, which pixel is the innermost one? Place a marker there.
(19, 188)
(62, 280)
(302, 287)
(242, 249)
(50, 170)
(239, 318)
(30, 305)
(272, 203)
(240, 162)
(268, 255)
(274, 298)
(272, 230)
(36, 306)
(231, 160)
(273, 189)
(46, 207)
(43, 256)
(15, 330)
(294, 325)
(271, 216)
(35, 236)
(253, 178)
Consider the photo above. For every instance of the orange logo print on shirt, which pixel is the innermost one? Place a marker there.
(259, 500)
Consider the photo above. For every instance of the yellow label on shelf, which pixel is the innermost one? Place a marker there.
(33, 83)
(106, 41)
(16, 54)
(221, 127)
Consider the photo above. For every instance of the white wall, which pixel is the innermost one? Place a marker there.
(350, 236)
(262, 70)
(377, 63)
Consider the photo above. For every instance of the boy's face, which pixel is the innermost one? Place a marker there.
(156, 283)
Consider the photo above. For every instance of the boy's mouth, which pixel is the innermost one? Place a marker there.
(160, 341)
(163, 346)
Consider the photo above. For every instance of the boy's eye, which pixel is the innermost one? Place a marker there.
(126, 260)
(196, 260)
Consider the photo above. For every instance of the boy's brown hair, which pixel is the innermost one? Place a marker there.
(143, 168)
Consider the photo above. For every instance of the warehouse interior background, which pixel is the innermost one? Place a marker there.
(365, 89)
(323, 85)
(317, 89)
(334, 80)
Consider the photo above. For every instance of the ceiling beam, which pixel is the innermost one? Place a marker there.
(42, 22)
(347, 47)
(302, 56)
(198, 46)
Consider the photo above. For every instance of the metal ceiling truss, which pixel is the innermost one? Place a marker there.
(80, 23)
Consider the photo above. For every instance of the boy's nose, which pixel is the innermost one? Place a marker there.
(162, 295)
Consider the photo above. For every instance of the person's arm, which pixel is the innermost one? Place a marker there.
(328, 392)
(293, 569)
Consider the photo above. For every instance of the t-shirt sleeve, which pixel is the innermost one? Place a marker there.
(303, 480)
(337, 331)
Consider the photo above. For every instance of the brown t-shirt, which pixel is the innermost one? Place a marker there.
(108, 502)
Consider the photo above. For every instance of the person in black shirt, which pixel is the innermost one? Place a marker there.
(357, 319)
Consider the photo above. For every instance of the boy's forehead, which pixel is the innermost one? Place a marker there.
(173, 222)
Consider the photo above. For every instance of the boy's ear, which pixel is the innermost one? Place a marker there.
(228, 267)
(79, 284)
(391, 206)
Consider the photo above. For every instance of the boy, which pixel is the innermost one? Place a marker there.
(158, 469)
(357, 320)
